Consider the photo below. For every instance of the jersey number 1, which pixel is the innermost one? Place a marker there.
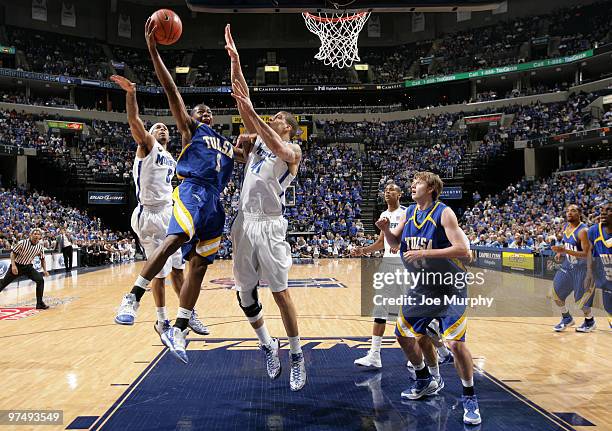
(218, 165)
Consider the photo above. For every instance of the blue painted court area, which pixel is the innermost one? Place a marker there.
(225, 387)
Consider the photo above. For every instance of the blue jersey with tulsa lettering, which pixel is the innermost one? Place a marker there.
(602, 256)
(424, 230)
(572, 242)
(207, 159)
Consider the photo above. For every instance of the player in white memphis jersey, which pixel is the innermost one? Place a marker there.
(260, 251)
(396, 214)
(152, 171)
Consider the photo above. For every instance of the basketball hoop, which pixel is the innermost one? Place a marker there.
(338, 33)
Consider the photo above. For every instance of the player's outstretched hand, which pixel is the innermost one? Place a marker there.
(357, 251)
(382, 223)
(558, 249)
(230, 46)
(124, 83)
(150, 34)
(241, 97)
(244, 138)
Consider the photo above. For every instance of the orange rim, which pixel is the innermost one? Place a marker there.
(337, 19)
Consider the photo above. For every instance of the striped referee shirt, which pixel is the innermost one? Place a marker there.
(25, 251)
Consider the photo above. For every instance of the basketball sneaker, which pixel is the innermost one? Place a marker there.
(587, 326)
(127, 310)
(410, 366)
(564, 324)
(297, 378)
(421, 388)
(372, 359)
(273, 364)
(448, 359)
(471, 412)
(174, 339)
(196, 324)
(440, 383)
(161, 327)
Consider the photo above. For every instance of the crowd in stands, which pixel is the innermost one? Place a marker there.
(22, 211)
(531, 214)
(562, 32)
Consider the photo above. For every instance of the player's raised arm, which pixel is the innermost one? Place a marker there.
(141, 136)
(236, 74)
(291, 154)
(184, 122)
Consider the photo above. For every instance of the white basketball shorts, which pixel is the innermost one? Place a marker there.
(150, 224)
(260, 252)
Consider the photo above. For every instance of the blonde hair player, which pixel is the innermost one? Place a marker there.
(259, 230)
(153, 171)
(431, 240)
(396, 214)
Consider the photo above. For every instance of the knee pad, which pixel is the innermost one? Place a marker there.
(249, 302)
(380, 321)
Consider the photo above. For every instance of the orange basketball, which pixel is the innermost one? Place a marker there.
(169, 26)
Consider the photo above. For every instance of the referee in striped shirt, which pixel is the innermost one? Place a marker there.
(22, 256)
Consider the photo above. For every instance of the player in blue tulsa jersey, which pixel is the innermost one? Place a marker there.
(571, 276)
(432, 243)
(205, 166)
(599, 263)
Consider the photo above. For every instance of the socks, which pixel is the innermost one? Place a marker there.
(182, 318)
(376, 342)
(434, 371)
(140, 287)
(264, 335)
(443, 351)
(294, 345)
(162, 314)
(421, 371)
(564, 309)
(468, 387)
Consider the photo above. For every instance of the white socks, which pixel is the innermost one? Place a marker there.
(183, 313)
(142, 282)
(263, 335)
(162, 314)
(468, 383)
(294, 345)
(434, 371)
(376, 342)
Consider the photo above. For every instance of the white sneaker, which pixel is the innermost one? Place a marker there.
(196, 324)
(273, 364)
(371, 359)
(126, 314)
(297, 378)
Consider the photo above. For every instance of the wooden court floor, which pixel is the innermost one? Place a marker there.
(74, 358)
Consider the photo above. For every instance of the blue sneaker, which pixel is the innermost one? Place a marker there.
(127, 310)
(448, 359)
(161, 327)
(471, 412)
(421, 388)
(564, 324)
(587, 326)
(174, 339)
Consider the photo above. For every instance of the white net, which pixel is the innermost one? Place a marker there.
(338, 33)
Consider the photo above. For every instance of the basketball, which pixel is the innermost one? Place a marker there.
(169, 26)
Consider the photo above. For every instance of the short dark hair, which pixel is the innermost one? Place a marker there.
(290, 119)
(199, 105)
